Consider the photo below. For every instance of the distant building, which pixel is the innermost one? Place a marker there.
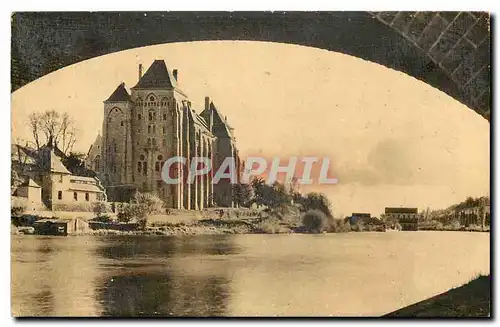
(48, 181)
(406, 217)
(155, 122)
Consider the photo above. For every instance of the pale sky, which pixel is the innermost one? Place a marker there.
(392, 139)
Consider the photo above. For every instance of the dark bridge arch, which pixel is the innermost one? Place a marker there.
(448, 50)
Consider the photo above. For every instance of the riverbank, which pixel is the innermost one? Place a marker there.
(211, 227)
(469, 300)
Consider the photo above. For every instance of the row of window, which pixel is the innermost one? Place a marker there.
(79, 181)
(75, 196)
(152, 141)
(152, 129)
(152, 101)
(152, 116)
(142, 166)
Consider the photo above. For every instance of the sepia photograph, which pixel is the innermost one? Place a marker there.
(250, 164)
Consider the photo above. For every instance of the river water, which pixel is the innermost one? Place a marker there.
(353, 274)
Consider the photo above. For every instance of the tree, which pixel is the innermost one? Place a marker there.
(143, 205)
(316, 201)
(270, 195)
(15, 181)
(52, 128)
(99, 208)
(315, 221)
(242, 194)
(76, 164)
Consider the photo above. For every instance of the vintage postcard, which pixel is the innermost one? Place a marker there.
(250, 164)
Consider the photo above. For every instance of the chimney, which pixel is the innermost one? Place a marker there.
(174, 72)
(207, 103)
(140, 71)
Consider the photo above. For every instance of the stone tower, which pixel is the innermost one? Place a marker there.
(141, 130)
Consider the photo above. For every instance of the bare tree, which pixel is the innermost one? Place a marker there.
(54, 129)
(34, 122)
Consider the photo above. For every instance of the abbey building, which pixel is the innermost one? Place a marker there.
(152, 123)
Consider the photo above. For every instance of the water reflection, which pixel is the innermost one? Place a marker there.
(164, 295)
(53, 276)
(154, 284)
(239, 275)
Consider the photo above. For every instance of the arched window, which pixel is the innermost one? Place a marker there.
(149, 128)
(145, 168)
(160, 157)
(141, 157)
(154, 141)
(97, 163)
(151, 98)
(139, 117)
(150, 115)
(157, 166)
(164, 129)
(139, 166)
(87, 197)
(149, 142)
(164, 116)
(154, 128)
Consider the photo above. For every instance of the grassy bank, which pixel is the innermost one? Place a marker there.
(210, 227)
(469, 300)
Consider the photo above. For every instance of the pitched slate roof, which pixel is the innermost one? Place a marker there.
(197, 119)
(157, 76)
(30, 183)
(51, 162)
(220, 128)
(120, 94)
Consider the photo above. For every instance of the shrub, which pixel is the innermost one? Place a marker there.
(17, 210)
(103, 219)
(454, 225)
(99, 208)
(358, 226)
(272, 226)
(143, 205)
(315, 221)
(339, 226)
(125, 213)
